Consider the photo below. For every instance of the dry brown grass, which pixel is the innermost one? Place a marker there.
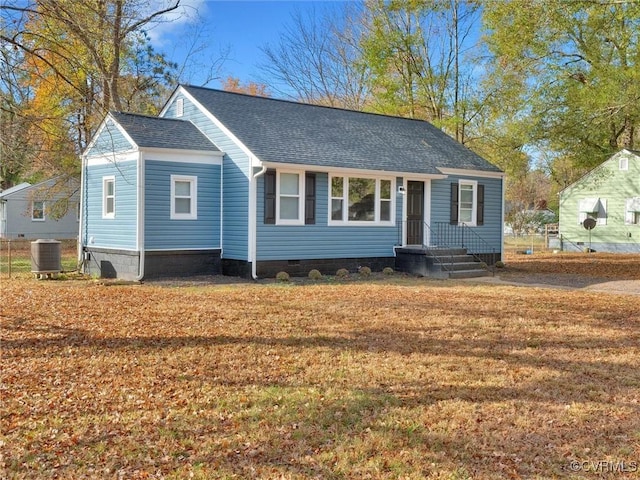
(407, 378)
(601, 265)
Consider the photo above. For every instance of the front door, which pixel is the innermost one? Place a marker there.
(415, 213)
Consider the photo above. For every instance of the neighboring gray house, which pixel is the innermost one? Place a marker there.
(229, 183)
(27, 211)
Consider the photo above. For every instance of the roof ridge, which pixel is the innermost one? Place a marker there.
(152, 117)
(307, 104)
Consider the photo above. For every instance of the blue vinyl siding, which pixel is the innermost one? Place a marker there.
(491, 231)
(110, 140)
(236, 170)
(118, 232)
(162, 233)
(284, 242)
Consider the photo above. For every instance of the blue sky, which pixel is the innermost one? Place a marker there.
(235, 29)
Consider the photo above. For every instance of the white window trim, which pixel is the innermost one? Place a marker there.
(345, 202)
(106, 214)
(631, 211)
(300, 196)
(474, 205)
(193, 215)
(33, 219)
(345, 193)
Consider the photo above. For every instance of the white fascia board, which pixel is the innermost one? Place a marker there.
(96, 135)
(170, 100)
(613, 158)
(10, 191)
(182, 156)
(103, 125)
(352, 171)
(587, 175)
(471, 173)
(114, 158)
(216, 122)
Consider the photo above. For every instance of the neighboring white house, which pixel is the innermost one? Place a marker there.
(27, 211)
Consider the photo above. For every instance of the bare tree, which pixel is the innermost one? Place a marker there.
(67, 63)
(317, 59)
(418, 55)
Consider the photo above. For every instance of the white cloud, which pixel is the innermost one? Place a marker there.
(189, 12)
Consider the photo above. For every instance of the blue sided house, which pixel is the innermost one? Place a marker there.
(227, 183)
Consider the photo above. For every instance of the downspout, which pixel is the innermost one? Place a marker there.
(253, 215)
(221, 208)
(140, 233)
(82, 235)
(504, 180)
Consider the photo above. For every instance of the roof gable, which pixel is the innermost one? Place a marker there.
(280, 131)
(14, 189)
(165, 133)
(631, 154)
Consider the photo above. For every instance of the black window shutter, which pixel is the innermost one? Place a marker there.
(310, 199)
(270, 197)
(453, 218)
(480, 206)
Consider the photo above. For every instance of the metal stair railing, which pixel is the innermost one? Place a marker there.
(438, 258)
(463, 236)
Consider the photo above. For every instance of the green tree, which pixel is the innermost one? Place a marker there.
(419, 54)
(77, 61)
(15, 149)
(571, 72)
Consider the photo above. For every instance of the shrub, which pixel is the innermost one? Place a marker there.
(315, 274)
(342, 273)
(499, 264)
(364, 272)
(282, 277)
(388, 271)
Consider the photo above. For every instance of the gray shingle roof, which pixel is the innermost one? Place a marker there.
(155, 132)
(296, 133)
(14, 189)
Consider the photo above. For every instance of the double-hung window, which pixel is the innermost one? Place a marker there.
(360, 200)
(184, 197)
(289, 204)
(289, 197)
(108, 197)
(466, 206)
(467, 203)
(632, 211)
(37, 211)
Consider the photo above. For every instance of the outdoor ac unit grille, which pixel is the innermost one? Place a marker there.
(46, 256)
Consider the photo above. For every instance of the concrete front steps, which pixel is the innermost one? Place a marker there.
(432, 262)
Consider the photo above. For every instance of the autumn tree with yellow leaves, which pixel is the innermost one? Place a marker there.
(66, 64)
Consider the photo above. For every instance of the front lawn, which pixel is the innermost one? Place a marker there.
(403, 378)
